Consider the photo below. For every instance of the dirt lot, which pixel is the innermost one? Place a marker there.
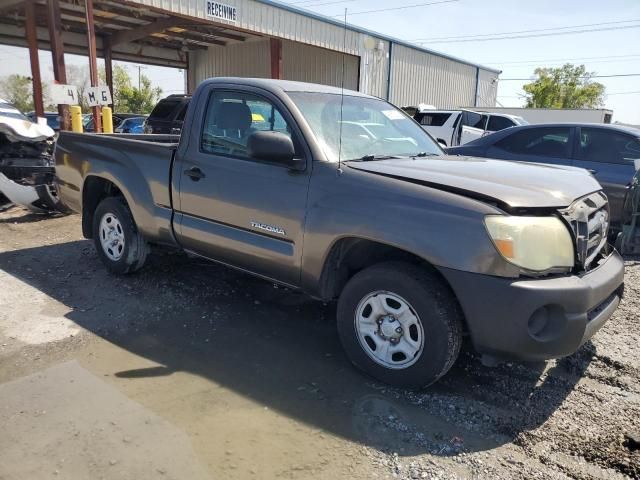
(188, 370)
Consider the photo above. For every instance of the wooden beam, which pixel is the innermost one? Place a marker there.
(57, 53)
(32, 40)
(7, 5)
(202, 30)
(138, 33)
(165, 55)
(108, 63)
(191, 36)
(93, 61)
(276, 58)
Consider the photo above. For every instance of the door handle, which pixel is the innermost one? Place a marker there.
(194, 173)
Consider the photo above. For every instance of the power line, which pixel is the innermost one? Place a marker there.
(547, 64)
(400, 8)
(571, 32)
(318, 4)
(523, 96)
(623, 93)
(455, 37)
(587, 77)
(560, 59)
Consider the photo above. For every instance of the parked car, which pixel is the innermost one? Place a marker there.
(118, 118)
(168, 115)
(457, 127)
(53, 119)
(131, 125)
(610, 152)
(418, 247)
(628, 242)
(26, 162)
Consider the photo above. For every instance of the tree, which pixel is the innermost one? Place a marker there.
(129, 99)
(79, 76)
(141, 100)
(569, 86)
(16, 89)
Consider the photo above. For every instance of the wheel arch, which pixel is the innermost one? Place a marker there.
(94, 190)
(349, 255)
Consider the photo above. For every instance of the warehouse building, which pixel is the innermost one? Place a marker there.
(251, 38)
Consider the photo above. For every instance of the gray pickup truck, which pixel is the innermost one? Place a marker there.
(343, 196)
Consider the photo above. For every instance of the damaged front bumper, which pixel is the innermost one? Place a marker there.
(27, 174)
(36, 197)
(537, 319)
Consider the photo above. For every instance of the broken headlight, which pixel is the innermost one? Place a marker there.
(535, 244)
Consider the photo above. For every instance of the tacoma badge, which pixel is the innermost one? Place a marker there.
(268, 228)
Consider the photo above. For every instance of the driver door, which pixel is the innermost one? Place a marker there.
(237, 210)
(471, 127)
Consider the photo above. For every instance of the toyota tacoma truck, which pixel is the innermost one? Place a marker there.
(343, 196)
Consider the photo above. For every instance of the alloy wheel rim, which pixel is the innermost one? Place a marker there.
(112, 237)
(389, 330)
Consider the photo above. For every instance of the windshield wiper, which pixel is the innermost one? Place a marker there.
(372, 158)
(425, 154)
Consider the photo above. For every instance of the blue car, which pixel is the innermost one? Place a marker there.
(610, 152)
(131, 125)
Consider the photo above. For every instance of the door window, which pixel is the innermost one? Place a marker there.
(434, 119)
(499, 123)
(473, 119)
(608, 146)
(182, 112)
(544, 142)
(232, 117)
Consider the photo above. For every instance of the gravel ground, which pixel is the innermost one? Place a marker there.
(245, 380)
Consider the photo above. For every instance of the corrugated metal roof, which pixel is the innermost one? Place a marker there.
(354, 28)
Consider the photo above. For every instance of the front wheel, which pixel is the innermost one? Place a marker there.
(119, 244)
(400, 324)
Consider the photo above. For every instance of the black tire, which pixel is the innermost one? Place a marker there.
(135, 247)
(437, 311)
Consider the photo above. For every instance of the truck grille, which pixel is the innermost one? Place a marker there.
(589, 221)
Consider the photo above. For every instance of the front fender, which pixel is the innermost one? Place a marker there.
(443, 228)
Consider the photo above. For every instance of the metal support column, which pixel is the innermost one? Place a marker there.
(475, 101)
(57, 53)
(93, 61)
(108, 63)
(390, 72)
(32, 42)
(276, 58)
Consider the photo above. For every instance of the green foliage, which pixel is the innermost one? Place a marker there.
(569, 86)
(130, 99)
(16, 89)
(79, 76)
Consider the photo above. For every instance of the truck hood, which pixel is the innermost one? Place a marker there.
(515, 184)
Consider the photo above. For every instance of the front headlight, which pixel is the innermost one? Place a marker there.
(535, 244)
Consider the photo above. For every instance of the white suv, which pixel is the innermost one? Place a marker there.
(457, 127)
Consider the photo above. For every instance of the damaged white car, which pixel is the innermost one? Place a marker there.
(26, 162)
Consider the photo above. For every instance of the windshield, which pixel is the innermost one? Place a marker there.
(8, 110)
(370, 127)
(520, 121)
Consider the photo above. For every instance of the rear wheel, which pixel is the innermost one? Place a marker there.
(400, 324)
(119, 244)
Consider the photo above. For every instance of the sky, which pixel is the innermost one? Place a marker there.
(614, 49)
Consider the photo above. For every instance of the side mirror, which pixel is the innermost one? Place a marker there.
(273, 147)
(442, 143)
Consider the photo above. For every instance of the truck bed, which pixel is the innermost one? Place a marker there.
(138, 165)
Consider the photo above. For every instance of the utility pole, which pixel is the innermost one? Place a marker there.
(140, 67)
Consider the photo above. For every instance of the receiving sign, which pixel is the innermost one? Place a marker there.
(63, 94)
(95, 96)
(221, 11)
